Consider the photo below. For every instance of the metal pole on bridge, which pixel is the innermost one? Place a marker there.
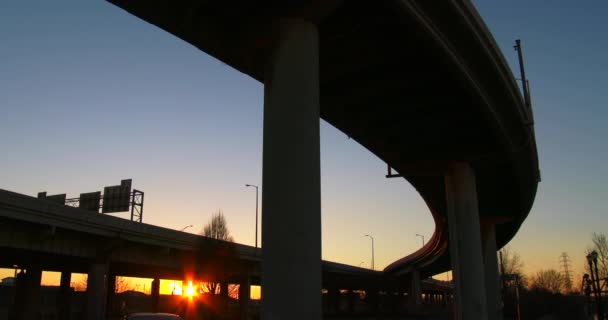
(367, 235)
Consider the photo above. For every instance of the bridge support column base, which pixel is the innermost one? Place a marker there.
(465, 243)
(291, 197)
(488, 234)
(415, 294)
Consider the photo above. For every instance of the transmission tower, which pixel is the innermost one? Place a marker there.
(565, 261)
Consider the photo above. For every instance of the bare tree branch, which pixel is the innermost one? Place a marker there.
(547, 280)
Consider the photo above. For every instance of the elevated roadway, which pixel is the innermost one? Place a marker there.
(38, 235)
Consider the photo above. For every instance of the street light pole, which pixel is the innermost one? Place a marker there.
(367, 235)
(256, 212)
(186, 227)
(592, 259)
(419, 235)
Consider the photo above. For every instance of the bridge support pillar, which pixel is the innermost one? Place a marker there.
(111, 293)
(244, 298)
(351, 301)
(333, 299)
(97, 286)
(372, 299)
(63, 300)
(465, 243)
(28, 303)
(155, 293)
(415, 294)
(291, 198)
(488, 234)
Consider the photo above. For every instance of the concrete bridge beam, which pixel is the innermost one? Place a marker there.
(465, 243)
(291, 198)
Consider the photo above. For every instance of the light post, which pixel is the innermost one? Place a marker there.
(256, 212)
(586, 288)
(367, 235)
(186, 227)
(592, 261)
(419, 235)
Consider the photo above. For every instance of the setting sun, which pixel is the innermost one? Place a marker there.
(189, 290)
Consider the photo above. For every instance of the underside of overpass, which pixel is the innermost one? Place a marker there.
(419, 84)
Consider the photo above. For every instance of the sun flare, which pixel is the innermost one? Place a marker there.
(189, 290)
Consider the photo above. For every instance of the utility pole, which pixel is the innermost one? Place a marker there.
(565, 261)
(524, 82)
(367, 235)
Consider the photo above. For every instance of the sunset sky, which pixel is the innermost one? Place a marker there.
(90, 95)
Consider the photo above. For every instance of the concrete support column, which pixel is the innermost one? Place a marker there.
(111, 305)
(490, 259)
(333, 299)
(465, 243)
(19, 299)
(351, 300)
(97, 286)
(291, 198)
(224, 289)
(371, 295)
(63, 300)
(415, 294)
(395, 302)
(155, 293)
(244, 298)
(402, 300)
(31, 306)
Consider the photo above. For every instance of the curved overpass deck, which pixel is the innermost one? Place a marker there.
(420, 84)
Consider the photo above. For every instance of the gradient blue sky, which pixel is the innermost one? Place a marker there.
(90, 95)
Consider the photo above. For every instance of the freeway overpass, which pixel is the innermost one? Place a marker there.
(38, 234)
(421, 84)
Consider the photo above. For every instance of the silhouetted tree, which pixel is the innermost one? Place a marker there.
(217, 228)
(79, 284)
(511, 264)
(122, 284)
(549, 280)
(600, 245)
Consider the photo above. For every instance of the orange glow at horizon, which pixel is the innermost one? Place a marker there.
(255, 292)
(171, 287)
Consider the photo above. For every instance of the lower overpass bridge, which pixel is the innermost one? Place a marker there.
(38, 235)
